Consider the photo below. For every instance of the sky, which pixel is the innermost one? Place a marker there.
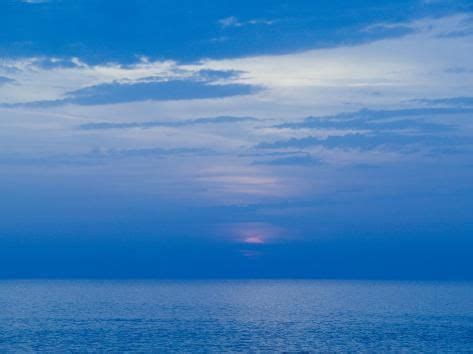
(236, 139)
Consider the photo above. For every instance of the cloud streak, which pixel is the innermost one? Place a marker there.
(155, 124)
(370, 142)
(232, 21)
(5, 80)
(382, 120)
(116, 92)
(450, 101)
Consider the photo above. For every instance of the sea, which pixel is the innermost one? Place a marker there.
(201, 316)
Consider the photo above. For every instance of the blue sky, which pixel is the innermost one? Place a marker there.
(325, 139)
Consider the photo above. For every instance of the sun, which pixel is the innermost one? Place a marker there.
(254, 239)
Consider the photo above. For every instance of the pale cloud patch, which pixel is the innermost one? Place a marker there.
(34, 1)
(36, 83)
(380, 73)
(233, 21)
(386, 73)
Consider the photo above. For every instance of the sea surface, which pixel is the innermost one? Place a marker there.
(235, 316)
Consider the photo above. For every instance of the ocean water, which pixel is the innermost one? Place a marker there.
(235, 316)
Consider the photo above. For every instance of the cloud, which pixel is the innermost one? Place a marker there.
(229, 22)
(379, 120)
(44, 82)
(375, 73)
(303, 160)
(370, 141)
(99, 156)
(396, 68)
(5, 80)
(322, 82)
(146, 153)
(156, 91)
(222, 154)
(451, 101)
(34, 1)
(116, 92)
(386, 30)
(154, 124)
(458, 70)
(215, 75)
(396, 130)
(48, 63)
(464, 30)
(232, 21)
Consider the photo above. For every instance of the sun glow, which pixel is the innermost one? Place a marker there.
(254, 239)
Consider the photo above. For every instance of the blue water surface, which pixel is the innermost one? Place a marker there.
(236, 316)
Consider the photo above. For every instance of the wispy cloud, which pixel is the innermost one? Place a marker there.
(385, 71)
(116, 92)
(156, 91)
(381, 120)
(449, 102)
(401, 130)
(146, 152)
(5, 80)
(233, 21)
(300, 160)
(372, 141)
(99, 156)
(34, 1)
(177, 123)
(43, 81)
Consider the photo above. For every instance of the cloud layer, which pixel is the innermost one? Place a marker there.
(267, 135)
